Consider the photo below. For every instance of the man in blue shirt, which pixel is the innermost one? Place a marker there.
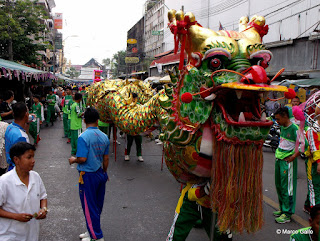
(16, 131)
(93, 159)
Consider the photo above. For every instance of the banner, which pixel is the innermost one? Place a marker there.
(58, 21)
(97, 75)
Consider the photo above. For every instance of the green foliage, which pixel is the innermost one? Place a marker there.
(21, 23)
(73, 73)
(106, 62)
(119, 64)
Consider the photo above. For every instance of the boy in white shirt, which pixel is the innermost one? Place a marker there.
(23, 197)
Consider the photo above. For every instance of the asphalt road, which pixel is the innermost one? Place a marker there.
(140, 198)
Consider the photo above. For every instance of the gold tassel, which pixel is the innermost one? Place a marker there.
(81, 178)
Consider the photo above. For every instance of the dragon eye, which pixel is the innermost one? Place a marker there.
(215, 63)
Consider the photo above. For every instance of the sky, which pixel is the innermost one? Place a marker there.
(96, 28)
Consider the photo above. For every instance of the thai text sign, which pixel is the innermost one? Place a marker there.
(131, 41)
(132, 60)
(58, 21)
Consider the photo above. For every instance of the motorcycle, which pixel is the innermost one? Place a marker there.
(273, 138)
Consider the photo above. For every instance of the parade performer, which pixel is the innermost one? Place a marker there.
(136, 138)
(51, 99)
(65, 102)
(312, 111)
(17, 130)
(286, 166)
(212, 125)
(193, 205)
(37, 110)
(70, 103)
(75, 122)
(93, 159)
(104, 127)
(309, 233)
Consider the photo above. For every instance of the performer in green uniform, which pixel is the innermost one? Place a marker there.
(310, 233)
(37, 109)
(51, 99)
(76, 122)
(104, 127)
(286, 166)
(69, 115)
(66, 100)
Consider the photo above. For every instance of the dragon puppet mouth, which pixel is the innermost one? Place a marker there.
(241, 107)
(241, 104)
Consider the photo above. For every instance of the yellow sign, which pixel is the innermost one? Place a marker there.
(131, 60)
(131, 41)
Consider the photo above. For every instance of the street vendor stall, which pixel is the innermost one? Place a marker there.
(19, 78)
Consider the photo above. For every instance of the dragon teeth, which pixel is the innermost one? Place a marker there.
(241, 118)
(210, 97)
(239, 94)
(263, 117)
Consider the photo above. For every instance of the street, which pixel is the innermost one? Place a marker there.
(140, 198)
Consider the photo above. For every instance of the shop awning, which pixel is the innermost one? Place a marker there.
(137, 73)
(165, 79)
(11, 70)
(167, 59)
(153, 79)
(301, 82)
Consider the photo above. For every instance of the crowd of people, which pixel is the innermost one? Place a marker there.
(20, 206)
(89, 149)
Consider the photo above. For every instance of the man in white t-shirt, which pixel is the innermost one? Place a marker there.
(23, 197)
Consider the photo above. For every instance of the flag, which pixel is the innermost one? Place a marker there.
(220, 26)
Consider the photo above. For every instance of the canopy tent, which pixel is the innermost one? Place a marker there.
(152, 79)
(305, 83)
(11, 70)
(165, 79)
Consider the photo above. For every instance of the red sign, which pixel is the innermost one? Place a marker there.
(58, 21)
(97, 75)
(134, 50)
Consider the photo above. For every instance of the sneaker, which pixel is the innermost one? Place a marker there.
(283, 219)
(140, 159)
(84, 235)
(277, 213)
(87, 239)
(126, 158)
(307, 209)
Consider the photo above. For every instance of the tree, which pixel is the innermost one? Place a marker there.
(22, 31)
(73, 73)
(106, 62)
(119, 64)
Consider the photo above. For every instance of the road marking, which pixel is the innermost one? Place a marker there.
(295, 217)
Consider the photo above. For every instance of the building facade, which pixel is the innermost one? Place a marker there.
(136, 50)
(154, 27)
(294, 29)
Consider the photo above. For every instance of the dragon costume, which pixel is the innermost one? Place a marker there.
(210, 115)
